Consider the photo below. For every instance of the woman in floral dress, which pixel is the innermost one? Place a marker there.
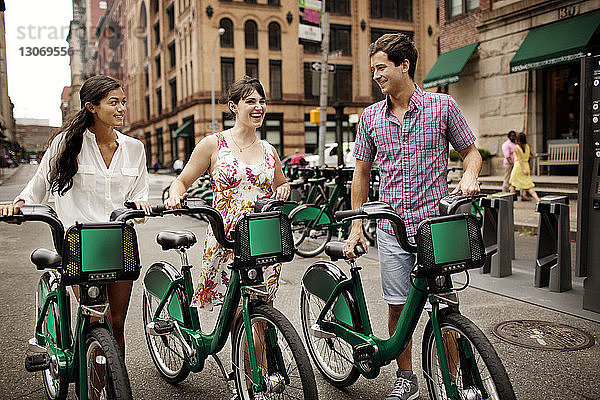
(243, 169)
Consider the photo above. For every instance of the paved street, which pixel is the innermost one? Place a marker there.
(535, 374)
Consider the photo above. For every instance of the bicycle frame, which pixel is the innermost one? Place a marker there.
(359, 332)
(205, 344)
(69, 355)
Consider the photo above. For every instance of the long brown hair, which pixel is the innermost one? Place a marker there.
(522, 140)
(64, 165)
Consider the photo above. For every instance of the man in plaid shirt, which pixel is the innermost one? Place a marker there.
(409, 133)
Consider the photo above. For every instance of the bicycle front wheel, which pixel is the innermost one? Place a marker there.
(166, 351)
(332, 356)
(472, 361)
(105, 369)
(56, 388)
(309, 240)
(280, 356)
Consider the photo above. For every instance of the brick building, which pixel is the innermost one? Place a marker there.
(516, 65)
(173, 47)
(34, 134)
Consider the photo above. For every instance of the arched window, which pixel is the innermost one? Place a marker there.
(227, 37)
(251, 34)
(274, 36)
(143, 17)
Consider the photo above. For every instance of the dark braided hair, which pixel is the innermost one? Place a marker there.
(64, 165)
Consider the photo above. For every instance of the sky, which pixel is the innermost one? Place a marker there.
(35, 83)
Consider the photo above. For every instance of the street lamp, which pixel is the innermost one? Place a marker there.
(213, 122)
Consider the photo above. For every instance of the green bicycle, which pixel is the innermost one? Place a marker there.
(91, 256)
(458, 360)
(268, 358)
(313, 224)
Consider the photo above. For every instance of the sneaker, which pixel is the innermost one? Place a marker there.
(260, 396)
(405, 388)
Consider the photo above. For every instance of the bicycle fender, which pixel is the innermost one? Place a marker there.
(320, 279)
(310, 212)
(157, 280)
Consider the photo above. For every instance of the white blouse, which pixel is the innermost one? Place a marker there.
(97, 190)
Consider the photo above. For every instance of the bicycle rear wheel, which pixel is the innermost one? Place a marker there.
(280, 356)
(332, 356)
(166, 351)
(105, 369)
(56, 388)
(470, 357)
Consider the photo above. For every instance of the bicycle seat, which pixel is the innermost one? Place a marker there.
(176, 240)
(44, 258)
(335, 250)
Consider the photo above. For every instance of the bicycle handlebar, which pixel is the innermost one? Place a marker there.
(188, 206)
(41, 213)
(381, 210)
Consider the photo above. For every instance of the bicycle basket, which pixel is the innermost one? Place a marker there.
(100, 252)
(449, 244)
(262, 239)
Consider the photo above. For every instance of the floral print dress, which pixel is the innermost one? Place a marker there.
(236, 187)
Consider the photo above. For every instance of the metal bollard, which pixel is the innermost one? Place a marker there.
(498, 234)
(553, 260)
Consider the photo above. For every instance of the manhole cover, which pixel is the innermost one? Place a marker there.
(543, 335)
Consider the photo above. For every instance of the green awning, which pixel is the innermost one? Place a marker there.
(448, 66)
(185, 130)
(556, 43)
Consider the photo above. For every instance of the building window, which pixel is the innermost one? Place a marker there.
(157, 64)
(274, 36)
(157, 34)
(227, 73)
(143, 16)
(147, 100)
(273, 2)
(252, 67)
(160, 152)
(340, 39)
(396, 9)
(159, 106)
(342, 86)
(275, 79)
(172, 54)
(148, 146)
(338, 6)
(173, 90)
(146, 77)
(171, 16)
(459, 7)
(227, 37)
(250, 1)
(251, 34)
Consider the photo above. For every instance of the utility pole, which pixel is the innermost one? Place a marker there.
(324, 84)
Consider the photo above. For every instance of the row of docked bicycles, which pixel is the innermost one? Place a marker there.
(269, 359)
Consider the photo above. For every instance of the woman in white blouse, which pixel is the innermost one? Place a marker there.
(92, 169)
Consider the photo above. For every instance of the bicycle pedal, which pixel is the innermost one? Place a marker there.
(160, 328)
(37, 362)
(363, 352)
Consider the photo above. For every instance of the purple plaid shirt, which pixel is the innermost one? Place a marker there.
(412, 154)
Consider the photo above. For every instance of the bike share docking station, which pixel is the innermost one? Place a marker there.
(498, 234)
(553, 259)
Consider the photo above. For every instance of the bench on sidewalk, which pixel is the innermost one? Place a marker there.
(560, 152)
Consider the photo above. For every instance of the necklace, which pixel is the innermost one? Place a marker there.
(241, 149)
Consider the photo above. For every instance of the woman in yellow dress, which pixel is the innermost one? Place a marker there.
(521, 176)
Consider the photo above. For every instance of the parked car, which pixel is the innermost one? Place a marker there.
(331, 159)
